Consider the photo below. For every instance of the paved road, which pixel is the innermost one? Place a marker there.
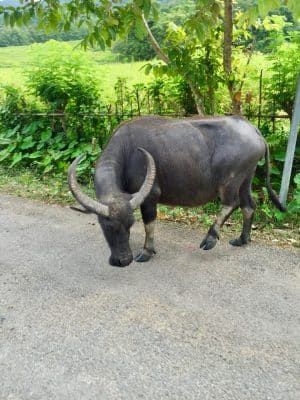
(189, 325)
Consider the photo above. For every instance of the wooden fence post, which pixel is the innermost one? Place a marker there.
(137, 96)
(290, 151)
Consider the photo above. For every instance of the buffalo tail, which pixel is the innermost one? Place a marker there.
(271, 193)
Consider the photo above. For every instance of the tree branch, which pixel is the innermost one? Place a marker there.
(156, 47)
(228, 24)
(162, 56)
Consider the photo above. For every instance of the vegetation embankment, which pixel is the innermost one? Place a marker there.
(53, 189)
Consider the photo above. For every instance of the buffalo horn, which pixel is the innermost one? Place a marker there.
(140, 196)
(88, 203)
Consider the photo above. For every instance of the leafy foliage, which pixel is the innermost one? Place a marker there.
(294, 205)
(36, 145)
(61, 82)
(20, 36)
(285, 70)
(192, 46)
(134, 48)
(64, 85)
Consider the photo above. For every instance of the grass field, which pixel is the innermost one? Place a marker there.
(14, 60)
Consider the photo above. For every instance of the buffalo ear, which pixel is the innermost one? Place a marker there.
(139, 197)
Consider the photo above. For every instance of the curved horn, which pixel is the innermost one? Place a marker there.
(140, 196)
(88, 203)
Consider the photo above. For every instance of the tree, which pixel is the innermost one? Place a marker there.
(285, 69)
(227, 56)
(106, 20)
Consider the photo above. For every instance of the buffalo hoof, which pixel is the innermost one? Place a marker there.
(144, 256)
(239, 242)
(120, 262)
(208, 242)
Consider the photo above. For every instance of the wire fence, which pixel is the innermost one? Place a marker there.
(257, 119)
(168, 101)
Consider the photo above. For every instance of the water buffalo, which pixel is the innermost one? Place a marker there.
(186, 162)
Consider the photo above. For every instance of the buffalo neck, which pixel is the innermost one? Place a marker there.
(109, 172)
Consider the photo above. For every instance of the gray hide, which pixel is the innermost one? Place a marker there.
(186, 162)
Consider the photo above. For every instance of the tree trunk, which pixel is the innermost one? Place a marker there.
(197, 96)
(162, 56)
(228, 24)
(235, 94)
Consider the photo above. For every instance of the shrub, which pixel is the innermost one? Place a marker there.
(56, 84)
(64, 79)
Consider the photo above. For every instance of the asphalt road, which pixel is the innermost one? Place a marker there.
(189, 324)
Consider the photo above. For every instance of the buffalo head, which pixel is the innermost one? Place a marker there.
(115, 211)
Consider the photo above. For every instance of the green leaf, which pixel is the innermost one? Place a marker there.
(55, 154)
(12, 147)
(4, 154)
(112, 21)
(264, 6)
(16, 159)
(26, 17)
(35, 155)
(147, 68)
(297, 179)
(12, 132)
(275, 171)
(294, 6)
(252, 14)
(279, 155)
(155, 11)
(48, 168)
(62, 165)
(147, 7)
(32, 127)
(27, 143)
(6, 18)
(46, 135)
(18, 18)
(12, 20)
(139, 29)
(4, 140)
(47, 160)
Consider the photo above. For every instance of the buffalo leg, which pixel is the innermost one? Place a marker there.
(230, 200)
(248, 206)
(149, 213)
(212, 236)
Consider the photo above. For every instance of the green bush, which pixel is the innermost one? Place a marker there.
(64, 79)
(35, 145)
(56, 84)
(281, 87)
(294, 205)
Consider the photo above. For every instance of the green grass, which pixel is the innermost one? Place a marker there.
(26, 183)
(14, 60)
